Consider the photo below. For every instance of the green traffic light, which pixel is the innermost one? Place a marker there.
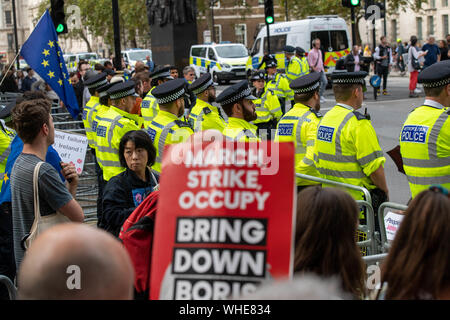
(60, 28)
(354, 2)
(269, 19)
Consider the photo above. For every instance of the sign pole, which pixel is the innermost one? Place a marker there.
(117, 50)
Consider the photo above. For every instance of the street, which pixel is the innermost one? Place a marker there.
(388, 114)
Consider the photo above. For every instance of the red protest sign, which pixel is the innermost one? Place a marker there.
(225, 219)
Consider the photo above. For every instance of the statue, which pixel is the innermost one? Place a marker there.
(179, 12)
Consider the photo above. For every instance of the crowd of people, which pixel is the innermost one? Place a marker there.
(129, 117)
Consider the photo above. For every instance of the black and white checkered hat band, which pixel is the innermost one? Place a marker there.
(203, 88)
(436, 84)
(172, 97)
(307, 89)
(237, 97)
(162, 75)
(103, 94)
(97, 84)
(349, 81)
(122, 94)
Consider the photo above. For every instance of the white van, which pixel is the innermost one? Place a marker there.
(224, 61)
(72, 59)
(134, 55)
(331, 30)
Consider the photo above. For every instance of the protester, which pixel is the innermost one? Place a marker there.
(414, 53)
(150, 64)
(60, 254)
(383, 61)
(73, 77)
(108, 65)
(34, 125)
(354, 60)
(327, 221)
(315, 60)
(174, 72)
(83, 68)
(28, 80)
(9, 82)
(433, 54)
(126, 191)
(443, 48)
(99, 68)
(20, 77)
(400, 51)
(419, 259)
(189, 74)
(143, 82)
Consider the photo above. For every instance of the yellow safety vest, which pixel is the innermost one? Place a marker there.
(267, 107)
(149, 108)
(280, 87)
(425, 147)
(110, 129)
(88, 118)
(294, 69)
(166, 129)
(240, 130)
(347, 148)
(299, 125)
(5, 150)
(205, 116)
(305, 66)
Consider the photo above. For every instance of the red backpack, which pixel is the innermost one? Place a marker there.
(137, 237)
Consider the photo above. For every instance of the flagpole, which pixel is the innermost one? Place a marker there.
(10, 66)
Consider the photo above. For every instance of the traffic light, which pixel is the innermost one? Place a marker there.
(58, 16)
(268, 11)
(351, 3)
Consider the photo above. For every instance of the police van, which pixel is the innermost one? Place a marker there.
(224, 61)
(134, 55)
(331, 30)
(72, 59)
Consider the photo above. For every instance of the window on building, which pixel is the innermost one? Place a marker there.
(445, 30)
(430, 25)
(419, 28)
(445, 3)
(8, 19)
(241, 33)
(394, 29)
(260, 2)
(218, 32)
(10, 41)
(433, 4)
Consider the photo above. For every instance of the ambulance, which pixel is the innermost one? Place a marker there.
(331, 30)
(224, 61)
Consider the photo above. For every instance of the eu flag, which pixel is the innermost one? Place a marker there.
(43, 54)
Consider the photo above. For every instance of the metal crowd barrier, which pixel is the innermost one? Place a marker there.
(385, 245)
(87, 192)
(375, 259)
(7, 97)
(371, 242)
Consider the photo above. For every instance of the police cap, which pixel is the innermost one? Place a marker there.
(234, 93)
(103, 90)
(306, 83)
(202, 83)
(5, 110)
(344, 77)
(161, 72)
(289, 49)
(170, 91)
(121, 90)
(96, 81)
(436, 75)
(258, 75)
(271, 64)
(300, 50)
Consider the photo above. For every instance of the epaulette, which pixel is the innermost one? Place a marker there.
(317, 113)
(206, 110)
(360, 116)
(182, 124)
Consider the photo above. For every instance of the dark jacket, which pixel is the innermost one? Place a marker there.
(123, 193)
(9, 84)
(349, 62)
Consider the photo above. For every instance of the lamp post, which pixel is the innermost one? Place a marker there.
(116, 25)
(15, 34)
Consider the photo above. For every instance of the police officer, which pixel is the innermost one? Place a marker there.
(293, 64)
(93, 83)
(237, 102)
(149, 106)
(347, 147)
(425, 136)
(166, 127)
(300, 53)
(279, 84)
(205, 116)
(268, 107)
(299, 125)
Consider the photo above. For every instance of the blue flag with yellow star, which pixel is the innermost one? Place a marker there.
(43, 54)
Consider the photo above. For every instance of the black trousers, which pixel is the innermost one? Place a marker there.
(7, 261)
(383, 73)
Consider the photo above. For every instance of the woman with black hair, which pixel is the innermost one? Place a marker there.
(124, 192)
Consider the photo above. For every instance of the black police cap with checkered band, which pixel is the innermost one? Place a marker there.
(258, 75)
(121, 90)
(96, 81)
(236, 92)
(103, 90)
(349, 77)
(307, 83)
(289, 49)
(161, 72)
(436, 75)
(202, 83)
(170, 91)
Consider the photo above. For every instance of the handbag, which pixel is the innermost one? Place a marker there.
(41, 223)
(415, 62)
